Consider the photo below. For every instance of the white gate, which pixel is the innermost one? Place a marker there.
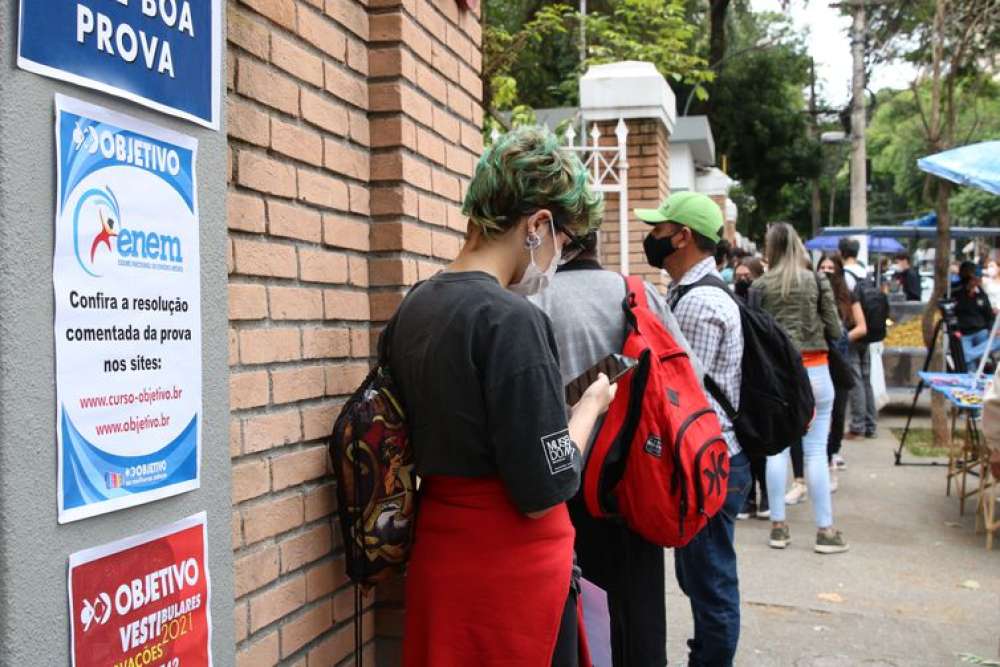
(607, 171)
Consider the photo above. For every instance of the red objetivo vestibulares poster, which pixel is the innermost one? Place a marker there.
(143, 601)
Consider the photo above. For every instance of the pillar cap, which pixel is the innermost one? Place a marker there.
(629, 89)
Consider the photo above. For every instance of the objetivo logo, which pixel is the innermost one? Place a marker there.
(98, 234)
(97, 611)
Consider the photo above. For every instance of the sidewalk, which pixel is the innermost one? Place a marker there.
(898, 595)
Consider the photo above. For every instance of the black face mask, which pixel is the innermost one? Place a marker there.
(742, 287)
(657, 250)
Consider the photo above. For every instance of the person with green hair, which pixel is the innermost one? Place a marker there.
(491, 577)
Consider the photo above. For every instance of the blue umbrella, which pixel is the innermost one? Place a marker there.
(880, 244)
(976, 164)
(929, 220)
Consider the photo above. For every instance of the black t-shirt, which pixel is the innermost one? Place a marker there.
(909, 280)
(973, 311)
(478, 371)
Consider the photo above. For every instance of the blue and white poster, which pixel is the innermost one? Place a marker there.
(164, 54)
(126, 277)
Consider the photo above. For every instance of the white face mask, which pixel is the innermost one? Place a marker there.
(991, 271)
(534, 279)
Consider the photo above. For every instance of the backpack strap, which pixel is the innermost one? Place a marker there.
(720, 397)
(390, 327)
(637, 286)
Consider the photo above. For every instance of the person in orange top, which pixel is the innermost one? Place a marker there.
(804, 305)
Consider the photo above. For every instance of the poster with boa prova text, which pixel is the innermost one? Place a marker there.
(126, 276)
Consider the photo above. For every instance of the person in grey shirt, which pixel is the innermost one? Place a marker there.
(584, 303)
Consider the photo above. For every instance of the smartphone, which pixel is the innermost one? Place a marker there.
(613, 365)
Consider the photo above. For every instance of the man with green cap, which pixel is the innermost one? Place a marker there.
(685, 231)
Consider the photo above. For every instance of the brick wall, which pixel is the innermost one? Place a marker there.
(354, 127)
(648, 184)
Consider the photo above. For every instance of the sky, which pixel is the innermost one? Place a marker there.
(830, 46)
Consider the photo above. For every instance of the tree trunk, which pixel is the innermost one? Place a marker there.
(717, 31)
(940, 424)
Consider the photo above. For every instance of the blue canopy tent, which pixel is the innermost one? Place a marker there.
(878, 244)
(920, 232)
(977, 165)
(929, 220)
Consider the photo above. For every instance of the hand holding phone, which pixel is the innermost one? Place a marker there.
(614, 366)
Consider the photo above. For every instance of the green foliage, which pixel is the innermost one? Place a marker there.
(973, 207)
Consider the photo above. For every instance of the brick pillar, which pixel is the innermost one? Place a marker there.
(636, 92)
(425, 94)
(354, 126)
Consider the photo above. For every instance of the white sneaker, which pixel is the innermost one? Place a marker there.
(796, 494)
(833, 479)
(838, 462)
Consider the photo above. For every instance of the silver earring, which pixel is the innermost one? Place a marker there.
(533, 241)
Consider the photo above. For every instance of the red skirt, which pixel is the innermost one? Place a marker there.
(485, 585)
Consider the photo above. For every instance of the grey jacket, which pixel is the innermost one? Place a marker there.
(807, 324)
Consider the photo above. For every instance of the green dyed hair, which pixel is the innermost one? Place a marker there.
(526, 170)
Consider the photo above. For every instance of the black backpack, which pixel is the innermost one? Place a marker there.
(776, 399)
(875, 306)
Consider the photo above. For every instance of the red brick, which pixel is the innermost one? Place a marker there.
(297, 142)
(317, 420)
(325, 343)
(324, 114)
(346, 85)
(393, 271)
(250, 480)
(394, 200)
(267, 86)
(322, 266)
(272, 604)
(360, 199)
(334, 648)
(247, 390)
(302, 629)
(425, 270)
(361, 343)
(460, 102)
(296, 61)
(255, 570)
(264, 174)
(263, 346)
(446, 246)
(343, 159)
(235, 438)
(345, 305)
(400, 166)
(472, 138)
(244, 212)
(236, 539)
(392, 61)
(393, 131)
(295, 303)
(295, 222)
(296, 384)
(271, 517)
(446, 185)
(273, 429)
(358, 269)
(344, 233)
(247, 302)
(240, 620)
(343, 379)
(384, 304)
(297, 467)
(459, 43)
(460, 160)
(360, 128)
(432, 83)
(417, 106)
(432, 210)
(281, 12)
(320, 502)
(351, 15)
(471, 82)
(305, 548)
(430, 146)
(323, 34)
(260, 653)
(321, 190)
(446, 125)
(456, 219)
(265, 259)
(444, 61)
(248, 33)
(400, 236)
(430, 20)
(357, 56)
(246, 122)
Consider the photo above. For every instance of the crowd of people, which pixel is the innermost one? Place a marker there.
(501, 536)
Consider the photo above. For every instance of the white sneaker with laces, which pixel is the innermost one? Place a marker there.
(839, 462)
(796, 494)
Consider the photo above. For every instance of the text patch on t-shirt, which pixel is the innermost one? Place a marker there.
(558, 451)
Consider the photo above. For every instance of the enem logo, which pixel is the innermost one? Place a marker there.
(98, 231)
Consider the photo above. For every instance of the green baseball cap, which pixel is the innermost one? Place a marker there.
(691, 209)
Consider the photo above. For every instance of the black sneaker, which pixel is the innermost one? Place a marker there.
(749, 509)
(871, 435)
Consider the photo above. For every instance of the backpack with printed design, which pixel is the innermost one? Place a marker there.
(659, 460)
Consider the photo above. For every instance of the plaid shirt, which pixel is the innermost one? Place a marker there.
(710, 321)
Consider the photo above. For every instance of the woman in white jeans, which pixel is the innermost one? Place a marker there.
(803, 304)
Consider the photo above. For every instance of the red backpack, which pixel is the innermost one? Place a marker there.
(659, 460)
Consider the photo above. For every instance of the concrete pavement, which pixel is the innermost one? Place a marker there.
(897, 598)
